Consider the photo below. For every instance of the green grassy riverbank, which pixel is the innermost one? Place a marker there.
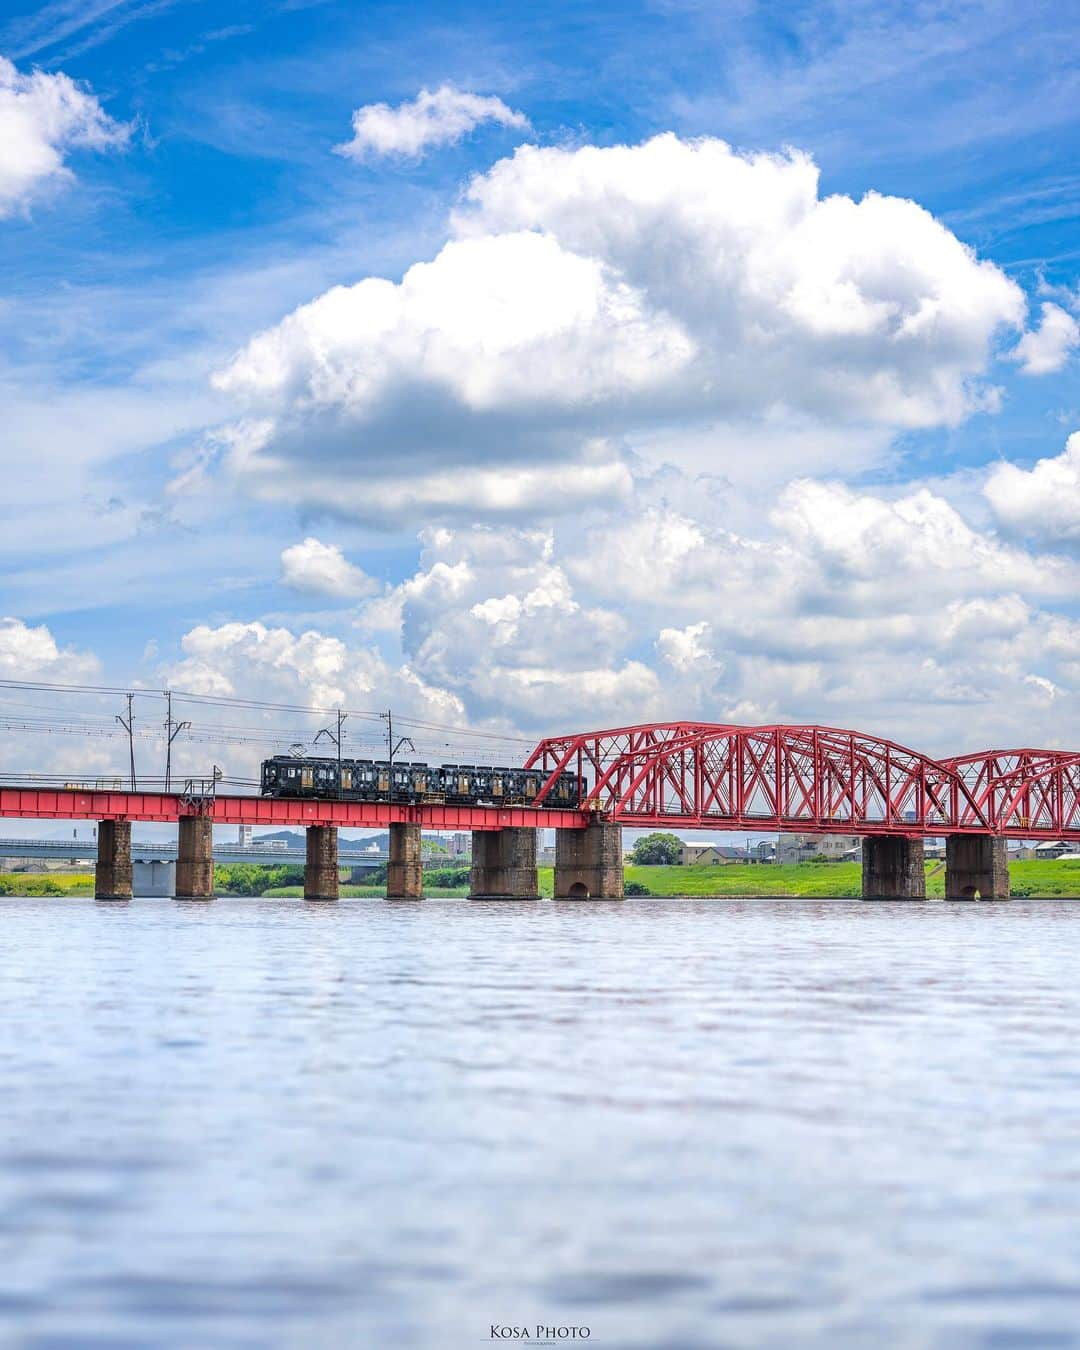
(809, 880)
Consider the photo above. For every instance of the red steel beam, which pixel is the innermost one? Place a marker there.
(40, 803)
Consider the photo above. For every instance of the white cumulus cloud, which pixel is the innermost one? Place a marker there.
(589, 299)
(322, 569)
(309, 667)
(43, 117)
(434, 117)
(1047, 348)
(33, 652)
(1043, 501)
(687, 650)
(869, 307)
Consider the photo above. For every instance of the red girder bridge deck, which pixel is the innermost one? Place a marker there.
(50, 803)
(688, 775)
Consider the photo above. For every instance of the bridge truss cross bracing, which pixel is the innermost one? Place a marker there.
(813, 779)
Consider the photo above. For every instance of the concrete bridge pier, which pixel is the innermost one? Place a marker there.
(589, 863)
(154, 879)
(321, 879)
(892, 868)
(405, 871)
(112, 874)
(195, 859)
(504, 864)
(976, 867)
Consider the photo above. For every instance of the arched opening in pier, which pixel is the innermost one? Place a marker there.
(578, 891)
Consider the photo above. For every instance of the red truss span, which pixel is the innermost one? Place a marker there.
(813, 779)
(1024, 792)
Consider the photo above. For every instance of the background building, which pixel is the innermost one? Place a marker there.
(794, 848)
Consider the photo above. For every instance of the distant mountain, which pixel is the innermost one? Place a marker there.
(296, 839)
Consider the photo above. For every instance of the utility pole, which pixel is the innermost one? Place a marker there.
(389, 716)
(128, 727)
(172, 730)
(330, 736)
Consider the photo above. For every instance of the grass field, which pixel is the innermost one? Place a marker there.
(812, 880)
(833, 879)
(46, 883)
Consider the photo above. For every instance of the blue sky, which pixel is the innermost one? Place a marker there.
(492, 526)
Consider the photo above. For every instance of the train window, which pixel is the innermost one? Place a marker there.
(346, 778)
(307, 778)
(497, 786)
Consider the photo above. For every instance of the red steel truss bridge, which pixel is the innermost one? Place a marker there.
(700, 775)
(813, 779)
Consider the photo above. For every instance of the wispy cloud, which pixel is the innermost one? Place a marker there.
(88, 22)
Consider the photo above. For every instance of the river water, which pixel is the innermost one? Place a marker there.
(674, 1123)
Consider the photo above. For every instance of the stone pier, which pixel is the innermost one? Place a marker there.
(195, 859)
(892, 868)
(589, 863)
(321, 880)
(504, 865)
(405, 872)
(112, 875)
(976, 867)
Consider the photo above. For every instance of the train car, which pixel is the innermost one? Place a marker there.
(566, 791)
(367, 780)
(286, 776)
(458, 782)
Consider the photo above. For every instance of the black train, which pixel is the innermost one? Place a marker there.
(369, 780)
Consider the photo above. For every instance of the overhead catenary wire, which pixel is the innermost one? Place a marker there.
(427, 738)
(228, 700)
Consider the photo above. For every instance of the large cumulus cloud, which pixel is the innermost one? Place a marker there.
(589, 297)
(890, 613)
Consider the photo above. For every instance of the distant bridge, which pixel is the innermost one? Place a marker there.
(85, 849)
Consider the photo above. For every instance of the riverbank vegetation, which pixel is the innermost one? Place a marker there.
(46, 883)
(823, 880)
(812, 880)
